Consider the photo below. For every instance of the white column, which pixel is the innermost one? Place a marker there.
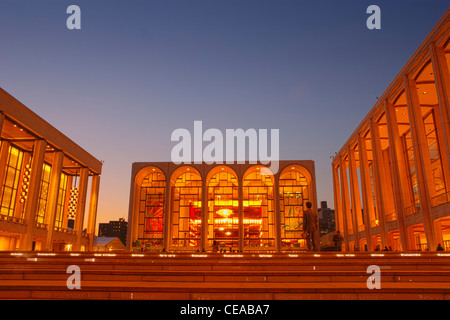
(366, 190)
(421, 158)
(398, 172)
(345, 200)
(81, 206)
(356, 201)
(378, 180)
(93, 204)
(37, 163)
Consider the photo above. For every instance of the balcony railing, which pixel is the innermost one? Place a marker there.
(440, 199)
(40, 225)
(11, 219)
(415, 208)
(64, 230)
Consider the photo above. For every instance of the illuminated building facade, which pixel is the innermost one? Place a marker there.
(44, 182)
(392, 176)
(247, 208)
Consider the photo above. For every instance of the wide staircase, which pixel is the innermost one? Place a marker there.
(123, 276)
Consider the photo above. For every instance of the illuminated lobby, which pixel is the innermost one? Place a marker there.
(242, 201)
(392, 176)
(47, 181)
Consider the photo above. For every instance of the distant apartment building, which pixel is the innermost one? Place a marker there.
(114, 229)
(327, 221)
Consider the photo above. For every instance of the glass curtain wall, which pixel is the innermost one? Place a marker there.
(293, 193)
(11, 182)
(223, 210)
(151, 209)
(259, 217)
(186, 209)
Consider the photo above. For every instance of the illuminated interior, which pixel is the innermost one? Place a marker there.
(294, 193)
(223, 209)
(43, 194)
(428, 100)
(411, 194)
(240, 213)
(11, 183)
(259, 208)
(371, 203)
(38, 168)
(383, 141)
(151, 209)
(186, 207)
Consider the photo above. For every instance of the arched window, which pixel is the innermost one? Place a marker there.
(151, 208)
(294, 192)
(186, 207)
(259, 217)
(223, 207)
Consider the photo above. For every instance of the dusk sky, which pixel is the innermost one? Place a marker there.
(137, 70)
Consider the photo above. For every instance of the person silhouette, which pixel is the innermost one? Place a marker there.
(311, 227)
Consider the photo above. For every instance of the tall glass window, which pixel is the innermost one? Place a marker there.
(435, 157)
(11, 182)
(427, 94)
(259, 217)
(294, 193)
(186, 209)
(411, 198)
(385, 167)
(61, 201)
(151, 209)
(223, 209)
(43, 194)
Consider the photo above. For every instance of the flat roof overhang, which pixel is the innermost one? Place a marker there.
(17, 112)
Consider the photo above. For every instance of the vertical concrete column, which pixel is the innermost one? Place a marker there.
(345, 200)
(204, 214)
(241, 212)
(366, 190)
(356, 201)
(398, 173)
(421, 159)
(133, 211)
(276, 198)
(167, 223)
(4, 154)
(438, 230)
(378, 179)
(37, 164)
(337, 199)
(52, 198)
(93, 204)
(81, 206)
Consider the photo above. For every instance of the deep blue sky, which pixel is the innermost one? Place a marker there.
(137, 70)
